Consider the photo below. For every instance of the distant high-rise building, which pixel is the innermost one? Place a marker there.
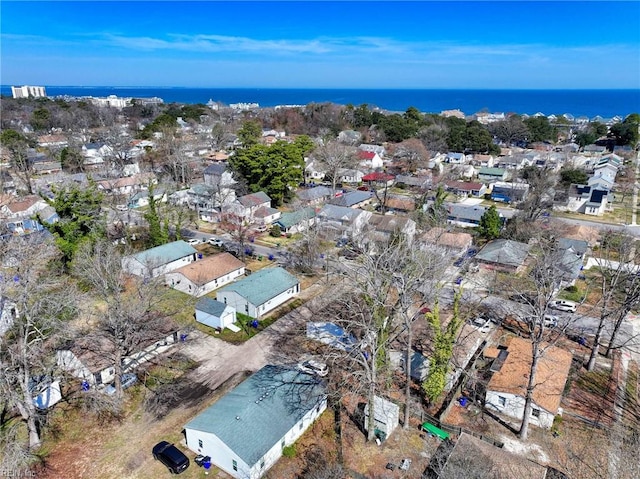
(28, 91)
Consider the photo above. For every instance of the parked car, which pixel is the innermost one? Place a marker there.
(171, 456)
(122, 207)
(563, 305)
(459, 262)
(550, 321)
(194, 241)
(483, 324)
(215, 242)
(127, 380)
(311, 366)
(471, 252)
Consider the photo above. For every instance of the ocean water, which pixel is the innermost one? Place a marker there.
(590, 103)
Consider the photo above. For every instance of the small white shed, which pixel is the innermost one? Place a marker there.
(214, 313)
(386, 415)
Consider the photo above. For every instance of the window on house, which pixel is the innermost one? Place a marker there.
(301, 425)
(282, 443)
(200, 443)
(234, 464)
(262, 463)
(502, 401)
(535, 412)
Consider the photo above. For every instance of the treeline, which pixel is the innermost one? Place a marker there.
(319, 119)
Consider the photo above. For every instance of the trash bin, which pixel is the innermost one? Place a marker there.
(183, 337)
(463, 401)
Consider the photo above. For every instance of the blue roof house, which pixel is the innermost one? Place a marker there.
(245, 431)
(157, 261)
(261, 292)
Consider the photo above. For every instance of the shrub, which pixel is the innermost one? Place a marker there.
(289, 451)
(275, 231)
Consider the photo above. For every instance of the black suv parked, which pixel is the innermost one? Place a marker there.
(171, 456)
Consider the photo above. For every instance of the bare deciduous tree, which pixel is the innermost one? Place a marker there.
(36, 299)
(128, 318)
(334, 157)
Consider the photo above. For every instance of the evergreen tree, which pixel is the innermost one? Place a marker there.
(157, 234)
(79, 217)
(490, 224)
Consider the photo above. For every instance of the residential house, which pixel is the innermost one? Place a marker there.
(512, 192)
(313, 171)
(266, 216)
(377, 149)
(400, 204)
(369, 159)
(315, 195)
(20, 215)
(466, 188)
(384, 227)
(350, 176)
(504, 255)
(341, 221)
(486, 161)
(91, 358)
(245, 431)
(379, 179)
(594, 150)
(507, 387)
(476, 457)
(43, 163)
(203, 276)
(160, 260)
(215, 314)
(141, 198)
(245, 206)
(422, 182)
(219, 176)
(586, 199)
(455, 158)
(52, 141)
(603, 177)
(261, 292)
(353, 199)
(95, 153)
(492, 174)
(466, 216)
(127, 185)
(571, 259)
(454, 243)
(297, 221)
(515, 162)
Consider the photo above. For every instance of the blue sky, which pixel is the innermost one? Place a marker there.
(321, 44)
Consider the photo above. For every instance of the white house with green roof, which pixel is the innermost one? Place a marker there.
(297, 221)
(245, 431)
(261, 292)
(160, 260)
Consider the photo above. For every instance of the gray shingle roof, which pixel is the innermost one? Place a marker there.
(352, 198)
(263, 285)
(339, 213)
(210, 306)
(254, 199)
(258, 413)
(165, 253)
(507, 252)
